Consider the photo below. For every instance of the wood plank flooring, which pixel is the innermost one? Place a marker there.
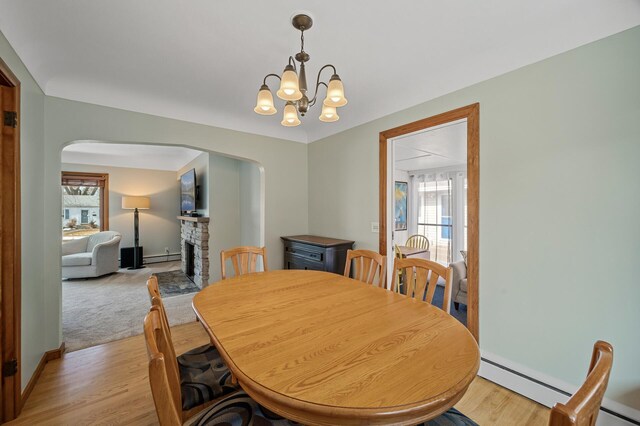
(108, 384)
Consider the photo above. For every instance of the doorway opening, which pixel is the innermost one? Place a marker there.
(433, 164)
(10, 260)
(139, 189)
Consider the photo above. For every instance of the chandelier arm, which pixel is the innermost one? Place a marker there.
(264, 81)
(292, 61)
(312, 102)
(318, 79)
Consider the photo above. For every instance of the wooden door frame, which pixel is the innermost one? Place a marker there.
(10, 259)
(472, 114)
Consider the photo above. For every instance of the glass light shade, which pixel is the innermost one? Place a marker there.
(329, 114)
(130, 202)
(289, 88)
(264, 104)
(290, 118)
(335, 93)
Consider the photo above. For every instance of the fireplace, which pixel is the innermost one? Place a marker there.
(194, 236)
(189, 254)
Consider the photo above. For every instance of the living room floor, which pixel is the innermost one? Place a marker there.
(104, 309)
(109, 384)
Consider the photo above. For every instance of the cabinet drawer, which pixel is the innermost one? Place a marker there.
(306, 252)
(293, 261)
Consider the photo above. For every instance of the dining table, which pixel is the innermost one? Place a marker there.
(322, 349)
(421, 253)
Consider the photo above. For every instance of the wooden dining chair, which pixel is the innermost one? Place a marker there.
(202, 354)
(152, 286)
(367, 265)
(421, 275)
(202, 375)
(243, 258)
(397, 253)
(232, 408)
(583, 407)
(156, 300)
(418, 241)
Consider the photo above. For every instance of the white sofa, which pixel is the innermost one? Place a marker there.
(91, 256)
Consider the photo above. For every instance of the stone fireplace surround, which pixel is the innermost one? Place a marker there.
(195, 230)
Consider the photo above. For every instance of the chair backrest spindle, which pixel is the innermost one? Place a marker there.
(244, 259)
(418, 241)
(422, 275)
(367, 265)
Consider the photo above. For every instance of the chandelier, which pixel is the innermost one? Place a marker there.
(293, 86)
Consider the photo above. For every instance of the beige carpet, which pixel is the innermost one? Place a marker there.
(100, 310)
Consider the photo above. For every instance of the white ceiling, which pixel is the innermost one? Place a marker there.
(443, 146)
(203, 61)
(153, 157)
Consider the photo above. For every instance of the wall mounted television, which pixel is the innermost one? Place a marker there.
(188, 192)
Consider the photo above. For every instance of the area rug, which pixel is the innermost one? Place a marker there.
(173, 283)
(101, 310)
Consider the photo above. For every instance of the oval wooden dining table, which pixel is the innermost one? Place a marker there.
(323, 349)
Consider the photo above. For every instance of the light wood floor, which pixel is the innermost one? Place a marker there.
(108, 384)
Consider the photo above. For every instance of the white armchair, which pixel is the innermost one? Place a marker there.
(91, 256)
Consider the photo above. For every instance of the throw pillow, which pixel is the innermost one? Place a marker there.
(464, 256)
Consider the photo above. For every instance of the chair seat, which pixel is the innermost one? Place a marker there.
(77, 259)
(203, 376)
(238, 409)
(452, 417)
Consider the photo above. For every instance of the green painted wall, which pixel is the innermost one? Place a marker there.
(284, 163)
(559, 207)
(32, 178)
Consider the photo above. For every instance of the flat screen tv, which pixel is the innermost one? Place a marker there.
(188, 192)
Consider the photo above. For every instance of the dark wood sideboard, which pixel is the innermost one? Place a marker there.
(317, 253)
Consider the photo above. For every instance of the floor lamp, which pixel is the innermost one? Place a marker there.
(135, 203)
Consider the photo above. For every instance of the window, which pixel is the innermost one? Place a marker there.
(442, 213)
(434, 216)
(85, 203)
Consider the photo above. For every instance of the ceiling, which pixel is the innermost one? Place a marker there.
(205, 62)
(153, 157)
(443, 146)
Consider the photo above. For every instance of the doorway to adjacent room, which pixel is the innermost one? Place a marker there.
(445, 194)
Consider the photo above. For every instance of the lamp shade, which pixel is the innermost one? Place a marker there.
(131, 202)
(335, 93)
(264, 104)
(289, 88)
(329, 114)
(290, 118)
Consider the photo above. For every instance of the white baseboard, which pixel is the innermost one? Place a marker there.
(547, 390)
